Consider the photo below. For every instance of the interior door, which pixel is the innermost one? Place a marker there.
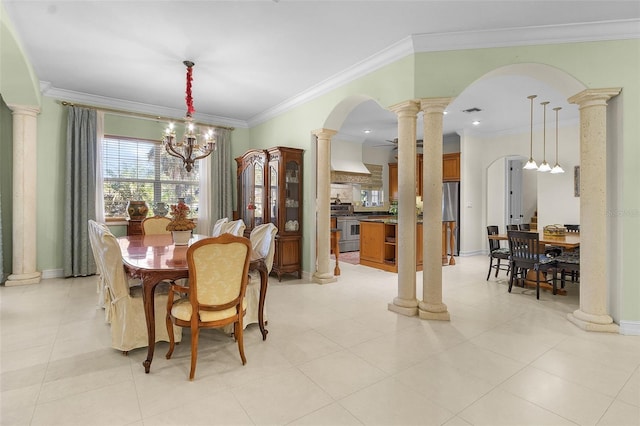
(514, 192)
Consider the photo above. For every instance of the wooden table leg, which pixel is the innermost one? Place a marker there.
(444, 244)
(335, 237)
(452, 226)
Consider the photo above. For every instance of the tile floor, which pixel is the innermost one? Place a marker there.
(334, 356)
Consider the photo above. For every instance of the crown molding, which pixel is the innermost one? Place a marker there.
(546, 34)
(47, 89)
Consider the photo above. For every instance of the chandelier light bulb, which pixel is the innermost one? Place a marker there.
(544, 166)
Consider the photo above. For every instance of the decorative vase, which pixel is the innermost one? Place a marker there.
(160, 209)
(181, 238)
(137, 209)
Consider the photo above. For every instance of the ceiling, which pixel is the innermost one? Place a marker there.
(254, 59)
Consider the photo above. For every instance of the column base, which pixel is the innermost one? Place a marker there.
(590, 322)
(320, 278)
(23, 279)
(430, 311)
(404, 307)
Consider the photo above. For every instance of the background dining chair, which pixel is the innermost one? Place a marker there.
(218, 275)
(524, 227)
(512, 227)
(125, 309)
(525, 256)
(263, 243)
(235, 227)
(497, 253)
(572, 228)
(155, 225)
(94, 228)
(217, 227)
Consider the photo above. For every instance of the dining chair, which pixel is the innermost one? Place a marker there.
(94, 227)
(263, 243)
(217, 227)
(512, 227)
(524, 227)
(572, 228)
(497, 253)
(124, 305)
(215, 297)
(568, 264)
(235, 227)
(155, 225)
(525, 256)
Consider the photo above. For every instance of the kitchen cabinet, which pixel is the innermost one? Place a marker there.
(450, 173)
(379, 246)
(270, 190)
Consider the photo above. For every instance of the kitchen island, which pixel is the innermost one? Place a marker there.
(379, 245)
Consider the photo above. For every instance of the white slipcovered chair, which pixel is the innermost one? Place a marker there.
(94, 227)
(235, 227)
(217, 227)
(124, 306)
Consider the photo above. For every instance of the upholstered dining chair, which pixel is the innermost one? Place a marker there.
(124, 306)
(235, 227)
(524, 247)
(218, 275)
(217, 227)
(263, 242)
(155, 225)
(497, 253)
(94, 228)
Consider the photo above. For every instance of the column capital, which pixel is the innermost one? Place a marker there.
(325, 134)
(24, 109)
(593, 97)
(408, 108)
(434, 105)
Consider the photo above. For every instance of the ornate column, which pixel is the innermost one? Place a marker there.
(323, 273)
(592, 315)
(406, 303)
(431, 306)
(25, 127)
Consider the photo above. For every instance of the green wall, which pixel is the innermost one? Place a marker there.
(6, 182)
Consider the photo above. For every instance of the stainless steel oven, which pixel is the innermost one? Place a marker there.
(349, 233)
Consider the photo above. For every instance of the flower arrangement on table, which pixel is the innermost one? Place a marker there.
(179, 220)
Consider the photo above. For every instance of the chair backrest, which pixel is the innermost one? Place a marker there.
(155, 225)
(94, 229)
(524, 227)
(235, 227)
(524, 247)
(263, 241)
(110, 256)
(218, 272)
(512, 227)
(493, 244)
(572, 228)
(217, 227)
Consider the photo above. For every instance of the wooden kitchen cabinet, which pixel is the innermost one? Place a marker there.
(393, 182)
(379, 247)
(451, 167)
(270, 190)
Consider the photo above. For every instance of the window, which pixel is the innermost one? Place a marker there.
(141, 169)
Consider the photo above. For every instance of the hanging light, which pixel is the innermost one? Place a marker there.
(531, 164)
(557, 169)
(193, 145)
(544, 166)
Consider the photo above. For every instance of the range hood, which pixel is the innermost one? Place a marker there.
(346, 157)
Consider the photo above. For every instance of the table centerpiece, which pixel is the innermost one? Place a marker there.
(180, 225)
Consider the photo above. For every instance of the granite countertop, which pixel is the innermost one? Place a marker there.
(390, 220)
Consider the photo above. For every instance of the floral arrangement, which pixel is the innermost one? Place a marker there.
(179, 221)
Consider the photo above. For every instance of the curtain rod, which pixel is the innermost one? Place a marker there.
(140, 115)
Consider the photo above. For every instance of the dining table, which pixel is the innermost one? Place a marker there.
(155, 258)
(569, 241)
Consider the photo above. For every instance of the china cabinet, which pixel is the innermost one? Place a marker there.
(270, 190)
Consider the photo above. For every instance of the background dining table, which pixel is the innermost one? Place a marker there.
(155, 258)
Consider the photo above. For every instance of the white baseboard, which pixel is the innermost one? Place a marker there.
(630, 328)
(52, 273)
(473, 253)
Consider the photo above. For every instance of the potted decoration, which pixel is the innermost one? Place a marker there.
(180, 225)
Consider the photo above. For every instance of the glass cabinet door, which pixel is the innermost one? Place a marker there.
(273, 199)
(293, 195)
(258, 196)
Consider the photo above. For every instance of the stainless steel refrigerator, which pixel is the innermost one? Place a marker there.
(451, 209)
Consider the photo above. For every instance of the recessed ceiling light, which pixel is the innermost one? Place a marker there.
(446, 112)
(367, 131)
(475, 122)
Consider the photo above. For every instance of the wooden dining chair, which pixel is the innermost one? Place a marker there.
(524, 227)
(215, 296)
(497, 253)
(512, 227)
(525, 256)
(155, 225)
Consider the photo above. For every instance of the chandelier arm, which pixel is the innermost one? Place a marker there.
(172, 151)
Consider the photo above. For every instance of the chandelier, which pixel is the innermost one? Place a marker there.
(193, 145)
(544, 166)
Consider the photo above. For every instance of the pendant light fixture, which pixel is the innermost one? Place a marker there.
(556, 168)
(544, 166)
(193, 145)
(531, 164)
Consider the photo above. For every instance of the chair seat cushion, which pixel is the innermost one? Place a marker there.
(182, 309)
(501, 250)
